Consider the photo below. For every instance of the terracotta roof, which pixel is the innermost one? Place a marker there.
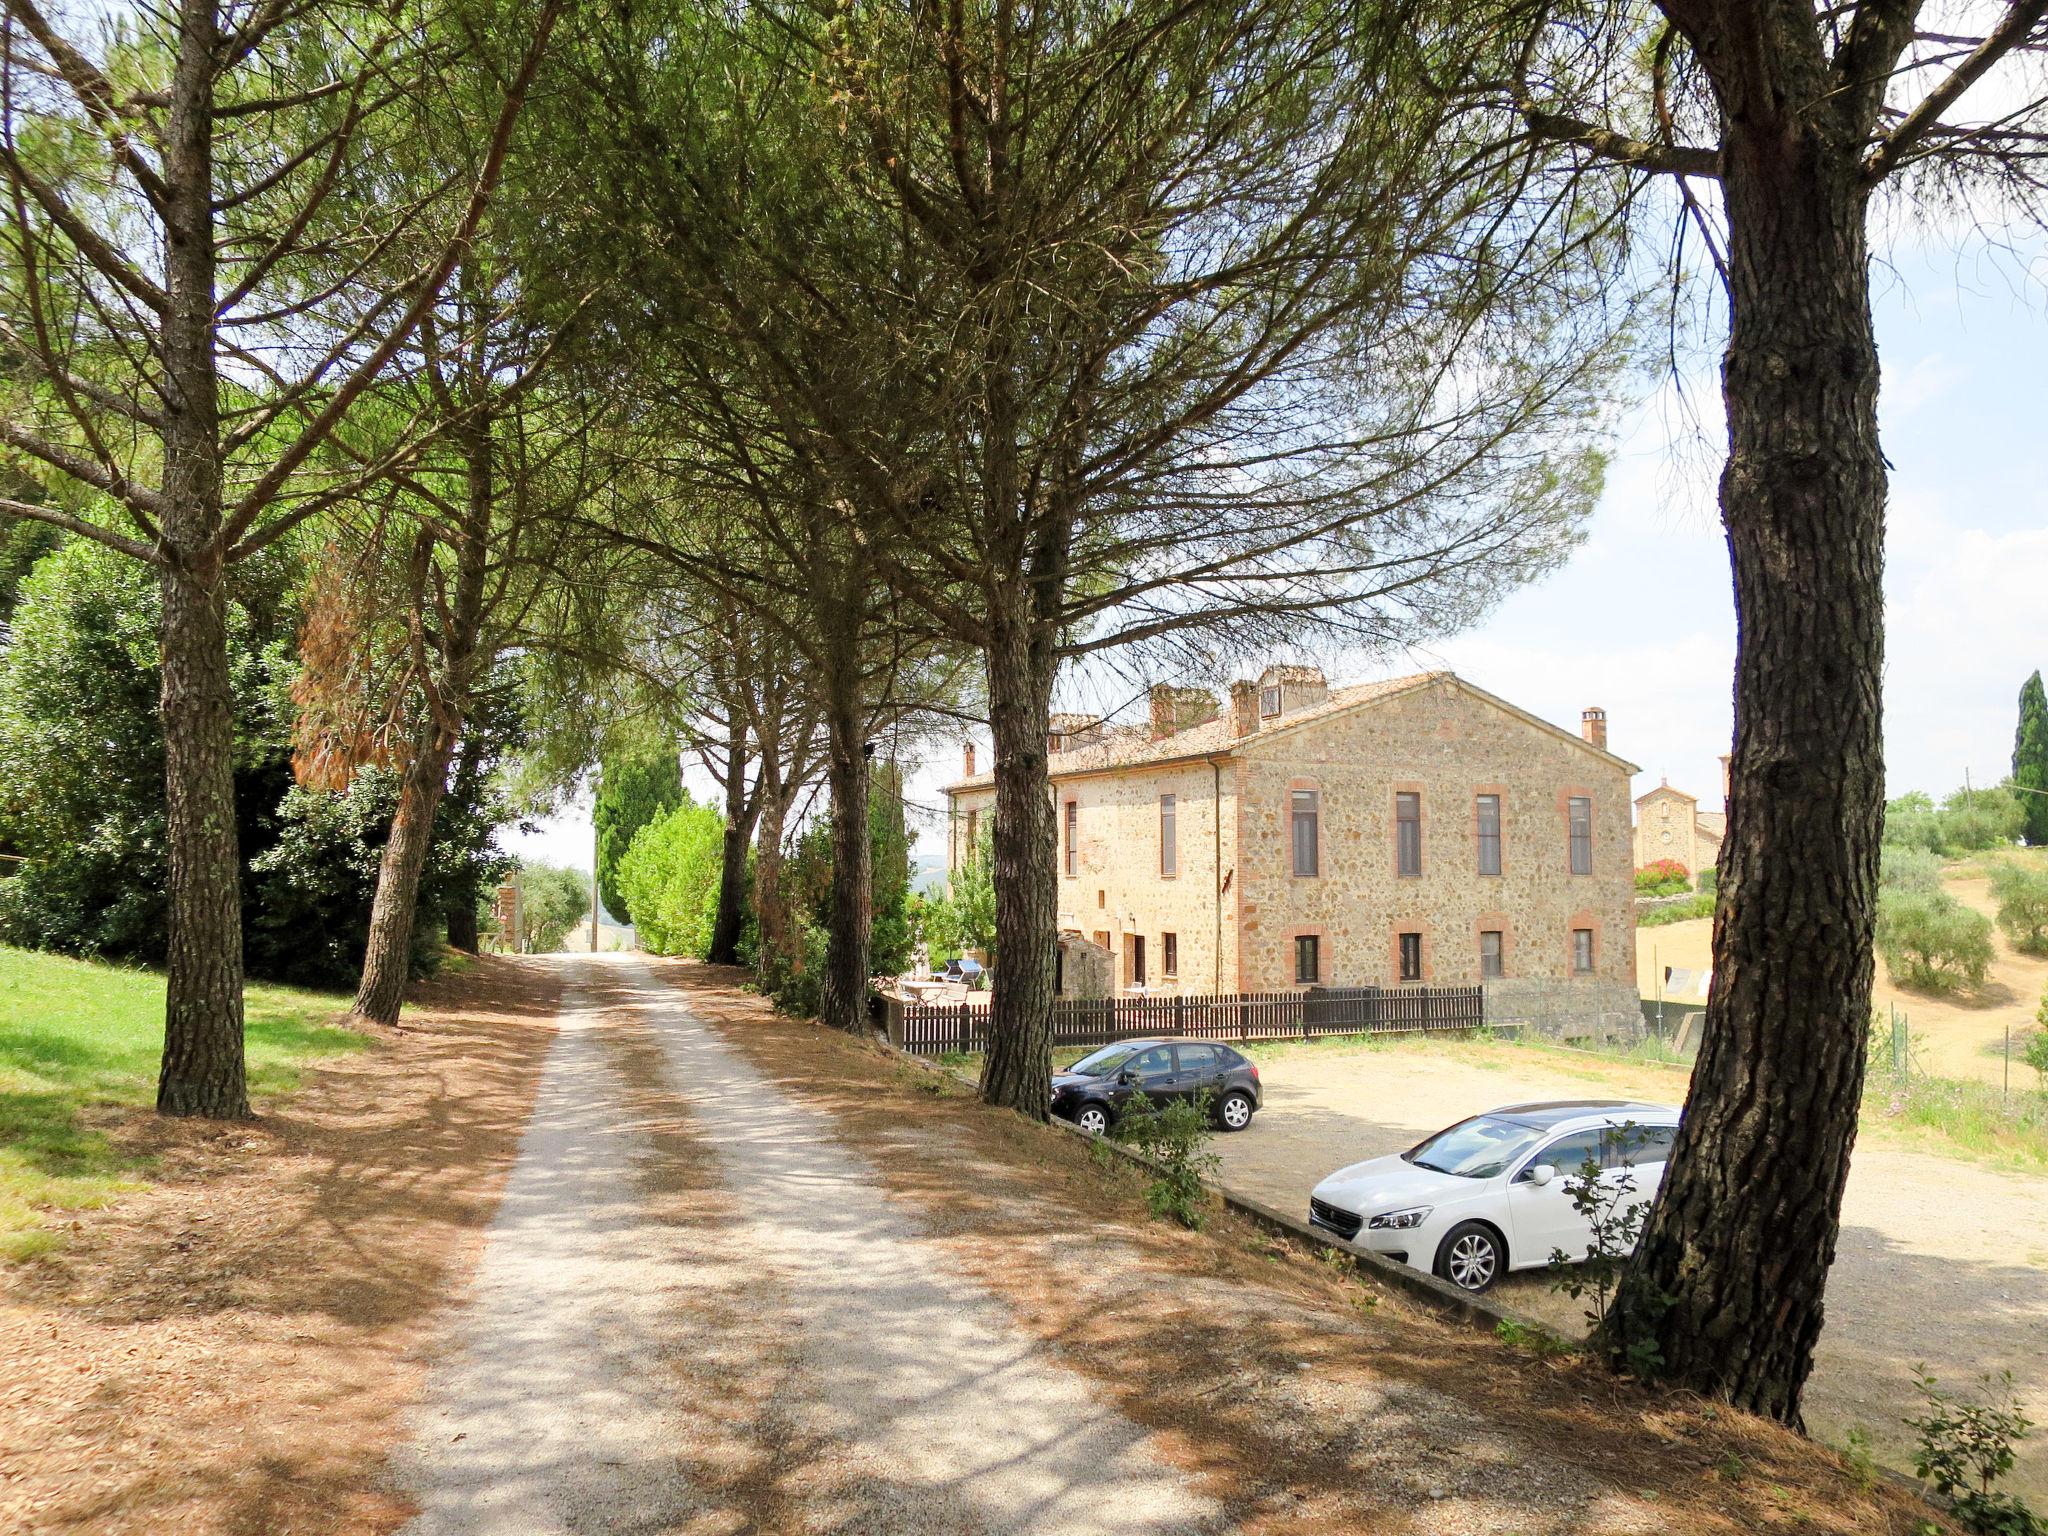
(1715, 823)
(1132, 746)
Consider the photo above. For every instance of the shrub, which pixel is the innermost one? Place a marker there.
(1663, 877)
(1905, 868)
(552, 900)
(669, 878)
(1710, 881)
(1177, 1135)
(1701, 905)
(1975, 819)
(1932, 941)
(2035, 1052)
(1966, 1448)
(2022, 894)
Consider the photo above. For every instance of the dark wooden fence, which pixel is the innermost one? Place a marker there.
(932, 1029)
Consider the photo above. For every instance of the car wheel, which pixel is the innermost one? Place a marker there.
(1092, 1118)
(1234, 1113)
(1471, 1257)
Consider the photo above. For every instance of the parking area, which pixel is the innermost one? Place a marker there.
(1941, 1261)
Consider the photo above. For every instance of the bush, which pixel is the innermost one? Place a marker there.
(1906, 868)
(552, 900)
(1701, 905)
(669, 879)
(1177, 1135)
(1975, 819)
(2022, 894)
(1710, 881)
(1663, 877)
(2035, 1051)
(1932, 940)
(1966, 1448)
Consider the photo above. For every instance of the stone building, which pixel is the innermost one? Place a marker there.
(1671, 825)
(1415, 830)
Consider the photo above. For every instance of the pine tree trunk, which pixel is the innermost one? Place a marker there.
(462, 926)
(771, 918)
(845, 983)
(203, 1071)
(729, 921)
(1020, 662)
(387, 958)
(1727, 1285)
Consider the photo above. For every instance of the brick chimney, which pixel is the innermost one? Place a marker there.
(1244, 708)
(1176, 709)
(967, 760)
(1593, 726)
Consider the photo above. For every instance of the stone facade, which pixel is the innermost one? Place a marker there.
(1224, 911)
(1671, 825)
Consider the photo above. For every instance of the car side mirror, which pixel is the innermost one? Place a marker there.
(1542, 1174)
(1125, 1077)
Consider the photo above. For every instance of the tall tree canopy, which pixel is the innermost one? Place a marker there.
(2030, 759)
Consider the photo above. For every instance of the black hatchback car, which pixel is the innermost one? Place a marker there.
(1089, 1092)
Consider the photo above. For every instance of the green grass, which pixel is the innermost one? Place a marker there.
(75, 1034)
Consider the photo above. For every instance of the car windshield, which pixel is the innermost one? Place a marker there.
(1105, 1061)
(1478, 1148)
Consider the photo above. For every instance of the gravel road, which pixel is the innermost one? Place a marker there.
(702, 1313)
(1940, 1261)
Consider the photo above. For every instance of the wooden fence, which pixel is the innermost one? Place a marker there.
(932, 1029)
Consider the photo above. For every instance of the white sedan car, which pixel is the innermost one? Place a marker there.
(1488, 1194)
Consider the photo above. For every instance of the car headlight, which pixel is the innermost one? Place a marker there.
(1401, 1221)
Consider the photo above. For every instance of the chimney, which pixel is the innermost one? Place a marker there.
(1244, 708)
(967, 760)
(1177, 709)
(1593, 726)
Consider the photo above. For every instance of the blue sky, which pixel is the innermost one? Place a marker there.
(1641, 620)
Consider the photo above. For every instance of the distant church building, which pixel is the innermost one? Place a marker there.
(1671, 825)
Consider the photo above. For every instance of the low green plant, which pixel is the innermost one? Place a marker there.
(1701, 905)
(2034, 1052)
(1965, 1449)
(1176, 1136)
(1663, 877)
(1537, 1341)
(1903, 867)
(1614, 1217)
(1932, 941)
(1861, 1459)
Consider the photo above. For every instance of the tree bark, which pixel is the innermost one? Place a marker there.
(729, 921)
(387, 959)
(1021, 662)
(845, 983)
(203, 1071)
(771, 917)
(1724, 1294)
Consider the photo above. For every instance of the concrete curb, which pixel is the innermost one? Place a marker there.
(1438, 1296)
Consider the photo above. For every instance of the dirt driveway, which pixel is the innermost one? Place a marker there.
(1941, 1261)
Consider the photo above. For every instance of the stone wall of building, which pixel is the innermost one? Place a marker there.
(1448, 745)
(1598, 1013)
(1118, 892)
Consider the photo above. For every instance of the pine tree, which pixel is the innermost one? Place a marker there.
(2030, 759)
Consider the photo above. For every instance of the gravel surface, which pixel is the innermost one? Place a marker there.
(1940, 1261)
(893, 1393)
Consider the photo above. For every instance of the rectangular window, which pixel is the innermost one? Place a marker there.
(1169, 841)
(1582, 835)
(1169, 954)
(1582, 951)
(1490, 954)
(1073, 835)
(1308, 959)
(1306, 813)
(1411, 957)
(973, 833)
(1269, 701)
(1137, 959)
(1408, 833)
(1489, 834)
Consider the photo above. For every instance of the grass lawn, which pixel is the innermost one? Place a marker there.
(75, 1034)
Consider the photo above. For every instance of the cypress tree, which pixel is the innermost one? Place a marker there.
(2030, 759)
